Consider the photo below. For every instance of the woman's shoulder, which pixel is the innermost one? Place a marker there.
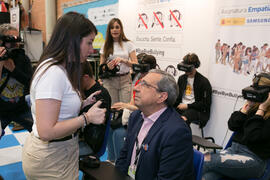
(129, 44)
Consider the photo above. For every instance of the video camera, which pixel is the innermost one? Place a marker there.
(105, 72)
(185, 67)
(141, 68)
(255, 92)
(11, 50)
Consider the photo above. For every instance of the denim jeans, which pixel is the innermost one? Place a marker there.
(116, 142)
(24, 119)
(236, 162)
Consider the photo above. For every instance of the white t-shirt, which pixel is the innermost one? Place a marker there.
(122, 52)
(54, 84)
(189, 97)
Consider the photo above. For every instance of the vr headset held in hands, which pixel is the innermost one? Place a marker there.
(256, 92)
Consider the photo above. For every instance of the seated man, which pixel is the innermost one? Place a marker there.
(93, 142)
(158, 143)
(195, 92)
(117, 135)
(250, 150)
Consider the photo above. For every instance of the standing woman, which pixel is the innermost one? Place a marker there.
(51, 151)
(118, 50)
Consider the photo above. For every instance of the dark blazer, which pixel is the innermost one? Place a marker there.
(202, 93)
(169, 154)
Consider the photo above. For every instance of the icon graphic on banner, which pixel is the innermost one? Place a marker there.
(174, 18)
(143, 20)
(158, 19)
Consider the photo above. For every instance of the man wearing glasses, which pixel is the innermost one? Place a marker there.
(158, 143)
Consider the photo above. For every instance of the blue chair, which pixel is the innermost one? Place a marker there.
(198, 159)
(2, 133)
(266, 175)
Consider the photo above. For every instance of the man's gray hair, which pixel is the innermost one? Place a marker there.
(167, 84)
(4, 28)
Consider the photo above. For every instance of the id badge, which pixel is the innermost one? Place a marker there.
(132, 171)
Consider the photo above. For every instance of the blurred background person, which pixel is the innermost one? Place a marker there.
(118, 52)
(15, 76)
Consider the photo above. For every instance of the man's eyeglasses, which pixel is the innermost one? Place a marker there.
(145, 84)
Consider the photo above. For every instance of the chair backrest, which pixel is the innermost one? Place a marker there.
(2, 132)
(198, 159)
(104, 144)
(229, 143)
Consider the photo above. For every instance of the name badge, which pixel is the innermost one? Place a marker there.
(132, 171)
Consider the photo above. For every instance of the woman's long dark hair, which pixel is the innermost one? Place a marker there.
(64, 45)
(108, 46)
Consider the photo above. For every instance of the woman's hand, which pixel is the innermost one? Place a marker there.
(95, 115)
(247, 106)
(120, 60)
(111, 64)
(265, 105)
(91, 99)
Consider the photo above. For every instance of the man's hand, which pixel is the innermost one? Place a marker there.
(9, 65)
(2, 51)
(182, 106)
(119, 105)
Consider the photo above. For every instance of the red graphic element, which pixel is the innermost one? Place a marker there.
(175, 19)
(143, 21)
(161, 24)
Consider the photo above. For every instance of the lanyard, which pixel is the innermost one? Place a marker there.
(139, 148)
(138, 151)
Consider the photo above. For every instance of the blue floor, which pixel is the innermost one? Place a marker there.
(10, 154)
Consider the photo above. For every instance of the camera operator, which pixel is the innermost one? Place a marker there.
(15, 75)
(195, 92)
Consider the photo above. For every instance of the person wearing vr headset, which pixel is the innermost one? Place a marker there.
(116, 138)
(195, 92)
(250, 150)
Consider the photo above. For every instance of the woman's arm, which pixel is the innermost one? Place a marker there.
(102, 59)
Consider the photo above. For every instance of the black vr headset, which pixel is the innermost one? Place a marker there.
(256, 92)
(185, 67)
(143, 66)
(190, 61)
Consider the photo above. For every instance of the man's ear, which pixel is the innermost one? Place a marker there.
(163, 96)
